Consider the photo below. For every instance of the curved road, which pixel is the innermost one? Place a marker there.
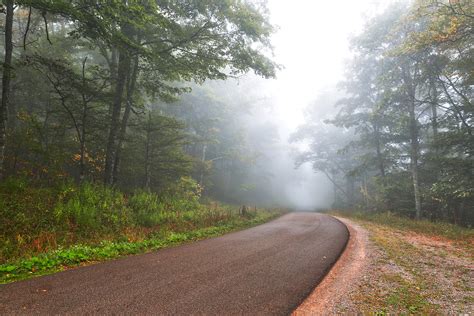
(268, 269)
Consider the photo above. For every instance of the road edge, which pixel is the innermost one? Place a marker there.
(342, 276)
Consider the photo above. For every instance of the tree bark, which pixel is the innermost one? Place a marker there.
(132, 79)
(122, 73)
(82, 139)
(410, 86)
(148, 153)
(6, 82)
(434, 111)
(378, 149)
(203, 161)
(414, 155)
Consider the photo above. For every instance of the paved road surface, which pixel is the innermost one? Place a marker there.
(267, 269)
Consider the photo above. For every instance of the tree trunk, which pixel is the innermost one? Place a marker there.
(414, 144)
(378, 150)
(203, 161)
(148, 153)
(6, 81)
(132, 79)
(410, 86)
(122, 73)
(332, 178)
(82, 164)
(82, 138)
(434, 111)
(350, 191)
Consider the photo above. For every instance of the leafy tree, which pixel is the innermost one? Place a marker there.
(408, 98)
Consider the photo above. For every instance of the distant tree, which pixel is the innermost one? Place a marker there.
(408, 97)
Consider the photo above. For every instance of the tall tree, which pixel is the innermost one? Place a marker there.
(6, 78)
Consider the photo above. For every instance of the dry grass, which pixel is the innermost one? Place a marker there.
(413, 273)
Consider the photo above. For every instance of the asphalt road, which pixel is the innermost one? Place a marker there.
(267, 269)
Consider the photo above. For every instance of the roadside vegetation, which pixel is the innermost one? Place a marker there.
(415, 267)
(455, 233)
(47, 229)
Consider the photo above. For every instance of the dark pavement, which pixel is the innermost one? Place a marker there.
(267, 269)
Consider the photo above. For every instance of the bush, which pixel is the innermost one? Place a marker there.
(26, 214)
(183, 196)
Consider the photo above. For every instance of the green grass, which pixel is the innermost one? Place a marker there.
(46, 228)
(406, 296)
(37, 218)
(60, 259)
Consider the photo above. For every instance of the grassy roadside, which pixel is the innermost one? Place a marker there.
(416, 267)
(83, 254)
(49, 227)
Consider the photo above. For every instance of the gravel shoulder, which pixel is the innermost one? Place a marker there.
(331, 294)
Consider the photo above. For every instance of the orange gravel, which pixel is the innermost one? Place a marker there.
(342, 278)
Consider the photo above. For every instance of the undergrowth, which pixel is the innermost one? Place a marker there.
(59, 259)
(47, 228)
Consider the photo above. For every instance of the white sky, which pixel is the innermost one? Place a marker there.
(312, 44)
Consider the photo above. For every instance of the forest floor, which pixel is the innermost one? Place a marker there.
(405, 270)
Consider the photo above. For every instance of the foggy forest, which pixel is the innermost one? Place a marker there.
(128, 126)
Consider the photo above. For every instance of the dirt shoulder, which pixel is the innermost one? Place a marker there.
(388, 271)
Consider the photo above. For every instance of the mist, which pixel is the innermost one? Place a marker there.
(312, 62)
(311, 105)
(131, 126)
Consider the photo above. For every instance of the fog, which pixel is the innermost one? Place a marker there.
(312, 46)
(309, 104)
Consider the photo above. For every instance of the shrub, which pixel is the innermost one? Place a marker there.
(183, 196)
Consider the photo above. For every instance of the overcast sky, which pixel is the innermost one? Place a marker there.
(312, 44)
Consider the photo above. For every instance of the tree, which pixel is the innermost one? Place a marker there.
(174, 41)
(6, 79)
(408, 98)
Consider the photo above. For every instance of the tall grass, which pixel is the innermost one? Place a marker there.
(36, 219)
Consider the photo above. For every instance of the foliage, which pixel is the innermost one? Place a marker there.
(403, 139)
(39, 219)
(124, 93)
(89, 80)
